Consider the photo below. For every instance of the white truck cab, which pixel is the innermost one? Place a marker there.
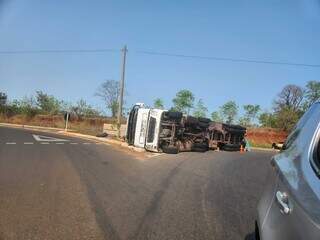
(143, 127)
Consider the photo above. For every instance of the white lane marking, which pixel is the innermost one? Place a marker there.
(28, 143)
(46, 143)
(10, 143)
(73, 143)
(41, 138)
(59, 143)
(86, 143)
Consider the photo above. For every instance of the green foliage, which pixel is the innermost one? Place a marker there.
(229, 111)
(244, 121)
(47, 104)
(183, 101)
(312, 94)
(251, 112)
(216, 116)
(27, 106)
(286, 118)
(268, 120)
(82, 109)
(200, 109)
(158, 103)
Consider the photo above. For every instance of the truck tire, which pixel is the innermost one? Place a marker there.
(203, 124)
(174, 115)
(192, 120)
(170, 149)
(204, 120)
(199, 147)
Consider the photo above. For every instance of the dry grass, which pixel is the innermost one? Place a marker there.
(91, 126)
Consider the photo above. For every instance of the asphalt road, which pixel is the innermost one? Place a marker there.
(77, 189)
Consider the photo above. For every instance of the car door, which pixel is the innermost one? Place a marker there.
(294, 212)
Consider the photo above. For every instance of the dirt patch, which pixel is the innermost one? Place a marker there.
(265, 136)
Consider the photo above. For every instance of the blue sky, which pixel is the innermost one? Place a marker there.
(286, 30)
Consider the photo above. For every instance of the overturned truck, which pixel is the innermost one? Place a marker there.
(160, 130)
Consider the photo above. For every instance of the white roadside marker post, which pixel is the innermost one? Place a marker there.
(66, 118)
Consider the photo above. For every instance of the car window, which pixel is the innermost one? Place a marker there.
(316, 160)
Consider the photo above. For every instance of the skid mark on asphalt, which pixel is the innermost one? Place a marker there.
(88, 178)
(143, 226)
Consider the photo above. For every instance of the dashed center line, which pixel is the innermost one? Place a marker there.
(44, 143)
(86, 143)
(73, 143)
(10, 143)
(59, 143)
(28, 143)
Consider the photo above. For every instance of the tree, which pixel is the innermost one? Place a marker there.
(200, 109)
(286, 118)
(216, 116)
(287, 106)
(312, 93)
(82, 109)
(183, 101)
(229, 111)
(109, 93)
(250, 115)
(158, 103)
(28, 106)
(48, 104)
(290, 97)
(267, 119)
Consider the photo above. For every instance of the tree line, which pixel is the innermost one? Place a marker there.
(43, 103)
(287, 107)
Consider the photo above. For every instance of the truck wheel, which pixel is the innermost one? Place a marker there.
(192, 120)
(204, 120)
(174, 115)
(199, 147)
(170, 149)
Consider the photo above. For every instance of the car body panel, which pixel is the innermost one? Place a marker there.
(297, 179)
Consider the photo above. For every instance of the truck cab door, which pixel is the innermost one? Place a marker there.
(152, 137)
(141, 127)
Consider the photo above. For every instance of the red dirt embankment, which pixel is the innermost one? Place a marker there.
(265, 136)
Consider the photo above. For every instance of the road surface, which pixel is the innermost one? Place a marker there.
(76, 189)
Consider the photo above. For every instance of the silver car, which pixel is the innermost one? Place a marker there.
(290, 205)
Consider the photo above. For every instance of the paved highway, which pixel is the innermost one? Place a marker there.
(68, 188)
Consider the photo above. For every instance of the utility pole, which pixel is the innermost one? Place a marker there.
(124, 54)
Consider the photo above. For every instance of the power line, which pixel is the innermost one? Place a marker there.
(227, 59)
(101, 50)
